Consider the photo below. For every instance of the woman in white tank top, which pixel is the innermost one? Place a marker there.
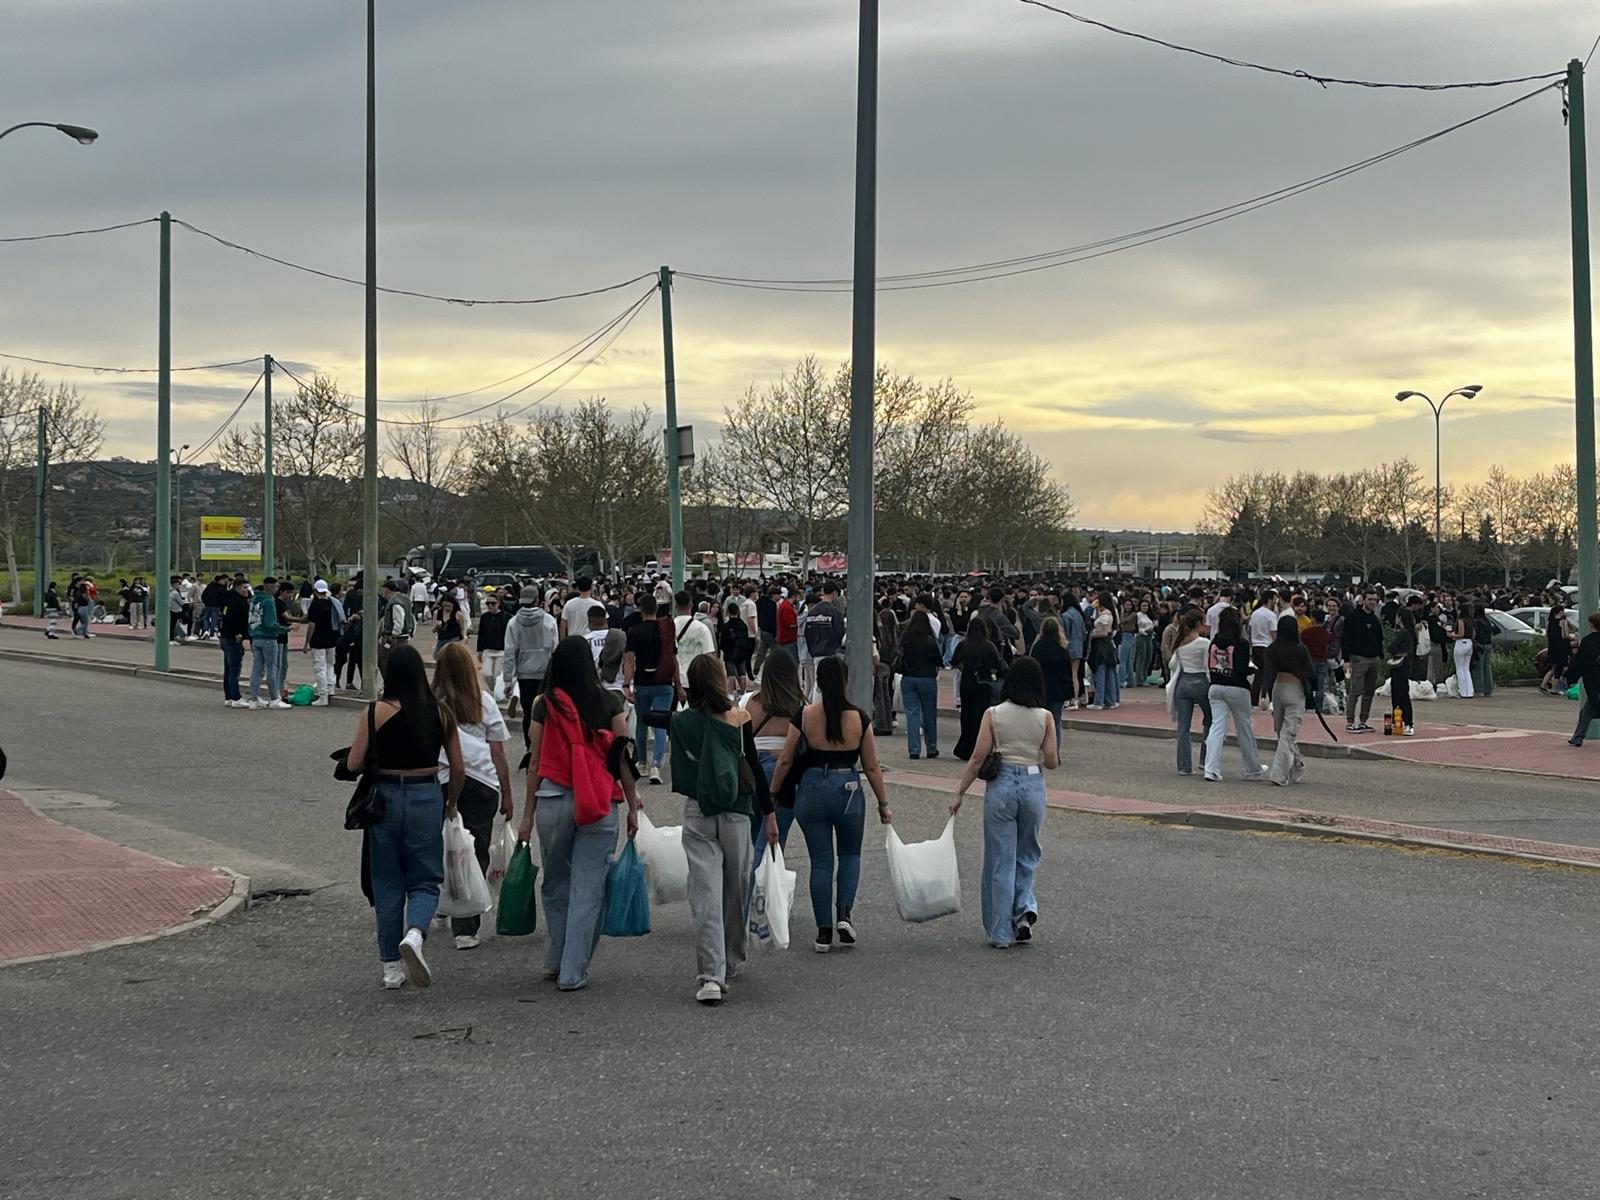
(1021, 731)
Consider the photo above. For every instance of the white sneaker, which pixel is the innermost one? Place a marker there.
(279, 704)
(655, 777)
(320, 702)
(411, 956)
(394, 975)
(710, 992)
(254, 703)
(466, 941)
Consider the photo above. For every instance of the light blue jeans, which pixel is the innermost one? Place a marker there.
(574, 859)
(1125, 661)
(831, 805)
(921, 696)
(947, 646)
(1013, 814)
(405, 852)
(265, 660)
(1234, 702)
(1107, 690)
(647, 698)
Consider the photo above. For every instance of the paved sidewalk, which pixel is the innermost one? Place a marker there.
(64, 628)
(64, 890)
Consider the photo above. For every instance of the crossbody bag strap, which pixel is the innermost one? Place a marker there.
(372, 739)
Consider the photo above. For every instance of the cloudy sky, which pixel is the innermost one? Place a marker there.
(528, 149)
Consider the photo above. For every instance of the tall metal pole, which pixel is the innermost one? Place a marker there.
(268, 479)
(1582, 344)
(41, 479)
(863, 361)
(372, 577)
(159, 584)
(1438, 493)
(674, 494)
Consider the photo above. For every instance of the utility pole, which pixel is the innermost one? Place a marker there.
(159, 584)
(371, 577)
(41, 478)
(674, 494)
(268, 479)
(1582, 344)
(863, 362)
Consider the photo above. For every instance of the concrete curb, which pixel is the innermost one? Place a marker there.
(237, 898)
(176, 675)
(1202, 819)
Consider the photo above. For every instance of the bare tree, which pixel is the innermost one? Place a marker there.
(72, 433)
(428, 454)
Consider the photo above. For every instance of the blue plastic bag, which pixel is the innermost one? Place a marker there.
(627, 904)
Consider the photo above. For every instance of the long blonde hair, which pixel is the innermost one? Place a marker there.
(455, 682)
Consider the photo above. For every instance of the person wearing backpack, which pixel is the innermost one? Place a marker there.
(735, 640)
(265, 660)
(650, 677)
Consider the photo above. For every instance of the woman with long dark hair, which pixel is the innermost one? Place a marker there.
(1293, 674)
(883, 673)
(716, 769)
(773, 710)
(1020, 730)
(1229, 666)
(1193, 688)
(1400, 638)
(574, 857)
(1049, 650)
(829, 801)
(1103, 653)
(1558, 652)
(405, 847)
(446, 624)
(978, 659)
(919, 660)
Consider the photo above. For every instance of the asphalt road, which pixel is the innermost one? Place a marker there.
(1204, 1014)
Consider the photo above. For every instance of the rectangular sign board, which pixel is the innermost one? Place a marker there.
(230, 539)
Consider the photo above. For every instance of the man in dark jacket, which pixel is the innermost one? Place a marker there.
(234, 634)
(212, 598)
(492, 642)
(1584, 670)
(1362, 643)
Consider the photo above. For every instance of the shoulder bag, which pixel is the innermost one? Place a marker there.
(365, 808)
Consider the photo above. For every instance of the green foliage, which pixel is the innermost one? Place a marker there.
(1516, 663)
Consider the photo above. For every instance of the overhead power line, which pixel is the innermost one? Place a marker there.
(1085, 251)
(1290, 72)
(45, 237)
(467, 301)
(103, 370)
(229, 420)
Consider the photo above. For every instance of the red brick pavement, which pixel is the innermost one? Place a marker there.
(64, 889)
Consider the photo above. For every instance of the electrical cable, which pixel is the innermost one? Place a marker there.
(1292, 73)
(466, 301)
(1026, 264)
(98, 370)
(45, 237)
(220, 429)
(1592, 49)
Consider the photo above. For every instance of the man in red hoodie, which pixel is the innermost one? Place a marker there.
(788, 626)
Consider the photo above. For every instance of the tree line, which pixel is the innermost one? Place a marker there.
(1378, 523)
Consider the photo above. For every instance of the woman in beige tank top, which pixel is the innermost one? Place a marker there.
(1021, 730)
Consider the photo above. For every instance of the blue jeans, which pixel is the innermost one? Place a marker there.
(264, 660)
(1107, 690)
(1013, 813)
(232, 660)
(1192, 691)
(947, 647)
(921, 696)
(210, 619)
(1319, 683)
(85, 615)
(406, 856)
(574, 859)
(831, 805)
(769, 763)
(647, 698)
(1125, 661)
(1053, 707)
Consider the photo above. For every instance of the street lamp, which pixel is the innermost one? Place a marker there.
(177, 506)
(79, 133)
(1472, 389)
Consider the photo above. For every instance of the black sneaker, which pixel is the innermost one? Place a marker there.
(1023, 930)
(847, 931)
(915, 756)
(933, 754)
(824, 938)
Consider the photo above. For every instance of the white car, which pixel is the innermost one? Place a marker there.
(1538, 618)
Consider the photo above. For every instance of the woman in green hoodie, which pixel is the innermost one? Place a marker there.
(716, 768)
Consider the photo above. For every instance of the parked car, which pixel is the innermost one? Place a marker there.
(1509, 632)
(1538, 618)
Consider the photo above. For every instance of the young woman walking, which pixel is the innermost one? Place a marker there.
(920, 657)
(1558, 652)
(830, 803)
(1193, 689)
(1229, 667)
(980, 666)
(404, 850)
(1020, 730)
(773, 710)
(1293, 674)
(1103, 653)
(1049, 650)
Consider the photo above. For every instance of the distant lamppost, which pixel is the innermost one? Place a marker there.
(79, 133)
(1472, 389)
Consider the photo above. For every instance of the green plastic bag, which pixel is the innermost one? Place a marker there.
(516, 916)
(303, 695)
(1572, 692)
(627, 905)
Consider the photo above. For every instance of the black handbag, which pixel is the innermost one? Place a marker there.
(989, 768)
(365, 808)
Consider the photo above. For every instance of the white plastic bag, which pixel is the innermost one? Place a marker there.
(1451, 688)
(500, 689)
(771, 900)
(502, 842)
(1421, 689)
(897, 702)
(927, 882)
(665, 863)
(464, 892)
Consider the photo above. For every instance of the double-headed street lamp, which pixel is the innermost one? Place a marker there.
(79, 133)
(1472, 389)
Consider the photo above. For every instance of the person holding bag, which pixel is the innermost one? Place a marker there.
(1017, 739)
(716, 769)
(483, 735)
(829, 802)
(403, 847)
(569, 725)
(773, 709)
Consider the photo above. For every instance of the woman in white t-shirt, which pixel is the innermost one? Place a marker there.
(483, 731)
(1191, 685)
(1021, 731)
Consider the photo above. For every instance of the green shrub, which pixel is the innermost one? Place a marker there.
(1517, 663)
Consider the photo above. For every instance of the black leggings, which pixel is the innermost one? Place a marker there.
(1400, 690)
(528, 690)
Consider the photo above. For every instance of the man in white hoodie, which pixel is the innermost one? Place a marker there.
(531, 635)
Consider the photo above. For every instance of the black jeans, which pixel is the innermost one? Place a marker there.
(478, 804)
(1400, 689)
(528, 690)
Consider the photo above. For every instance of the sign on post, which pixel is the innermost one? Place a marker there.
(230, 539)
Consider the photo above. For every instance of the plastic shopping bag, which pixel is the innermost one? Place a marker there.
(771, 900)
(927, 883)
(660, 848)
(464, 892)
(627, 905)
(502, 843)
(517, 916)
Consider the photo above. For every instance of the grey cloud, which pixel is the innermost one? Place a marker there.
(1239, 435)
